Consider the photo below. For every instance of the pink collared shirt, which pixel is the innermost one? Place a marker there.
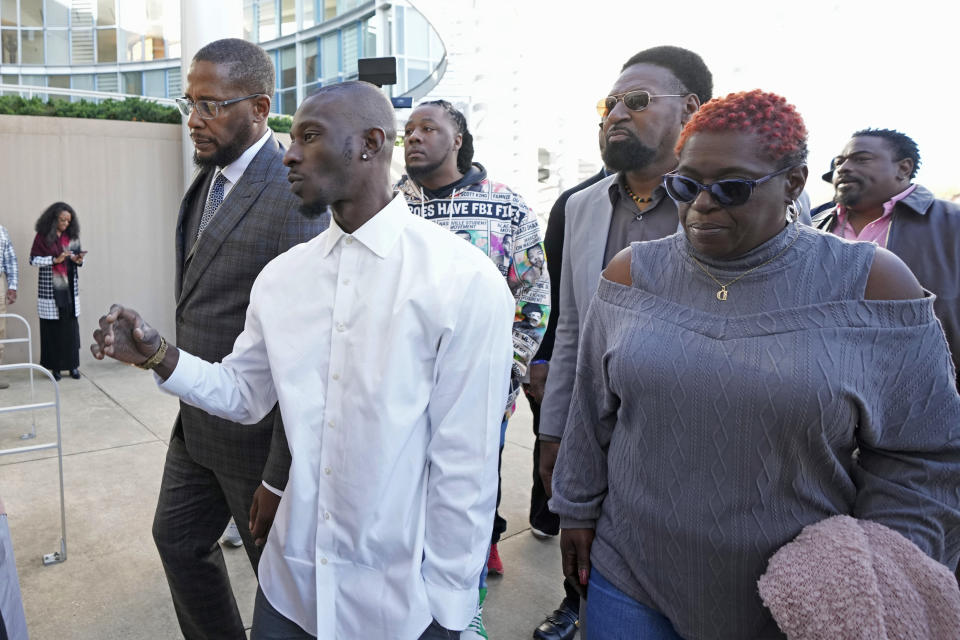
(878, 231)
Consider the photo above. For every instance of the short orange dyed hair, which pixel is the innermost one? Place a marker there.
(771, 117)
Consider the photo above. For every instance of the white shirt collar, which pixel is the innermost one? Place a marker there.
(378, 234)
(234, 171)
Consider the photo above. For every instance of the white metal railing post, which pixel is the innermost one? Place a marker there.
(61, 554)
(29, 341)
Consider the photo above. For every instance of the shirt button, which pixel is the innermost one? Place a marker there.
(341, 327)
(323, 561)
(328, 471)
(346, 281)
(330, 424)
(326, 515)
(336, 376)
(349, 240)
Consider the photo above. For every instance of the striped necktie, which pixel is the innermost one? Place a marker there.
(214, 200)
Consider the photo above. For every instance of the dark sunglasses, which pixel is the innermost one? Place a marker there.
(727, 193)
(634, 100)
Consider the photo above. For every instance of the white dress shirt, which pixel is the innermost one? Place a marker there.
(389, 351)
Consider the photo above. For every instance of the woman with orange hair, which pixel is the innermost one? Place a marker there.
(740, 380)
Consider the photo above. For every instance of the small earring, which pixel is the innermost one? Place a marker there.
(363, 156)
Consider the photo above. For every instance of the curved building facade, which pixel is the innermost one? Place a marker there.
(132, 47)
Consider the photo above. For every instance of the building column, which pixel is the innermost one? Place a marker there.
(200, 24)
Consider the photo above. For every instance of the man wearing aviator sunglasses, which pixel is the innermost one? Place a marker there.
(657, 92)
(236, 216)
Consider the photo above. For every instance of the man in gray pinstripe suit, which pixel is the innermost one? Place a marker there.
(237, 215)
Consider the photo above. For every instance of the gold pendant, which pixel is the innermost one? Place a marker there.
(722, 294)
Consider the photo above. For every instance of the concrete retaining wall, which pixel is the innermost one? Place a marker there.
(124, 179)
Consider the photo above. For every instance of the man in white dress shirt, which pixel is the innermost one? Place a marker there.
(387, 342)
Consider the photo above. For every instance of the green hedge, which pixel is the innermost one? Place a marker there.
(131, 109)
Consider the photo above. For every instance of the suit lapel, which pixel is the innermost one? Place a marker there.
(228, 216)
(595, 229)
(183, 244)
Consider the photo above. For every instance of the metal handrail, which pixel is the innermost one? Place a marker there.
(61, 555)
(29, 341)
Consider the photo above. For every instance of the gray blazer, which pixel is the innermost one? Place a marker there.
(258, 221)
(585, 229)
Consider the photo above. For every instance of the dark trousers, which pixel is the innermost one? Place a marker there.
(270, 624)
(540, 515)
(60, 343)
(194, 507)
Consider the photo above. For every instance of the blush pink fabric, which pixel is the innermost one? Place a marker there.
(848, 579)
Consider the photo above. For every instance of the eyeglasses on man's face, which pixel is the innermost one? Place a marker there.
(727, 193)
(208, 109)
(636, 100)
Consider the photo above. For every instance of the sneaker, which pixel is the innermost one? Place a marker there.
(494, 563)
(231, 536)
(475, 630)
(540, 535)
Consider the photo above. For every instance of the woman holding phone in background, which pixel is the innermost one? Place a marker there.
(56, 251)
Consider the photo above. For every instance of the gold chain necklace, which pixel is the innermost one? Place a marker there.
(722, 293)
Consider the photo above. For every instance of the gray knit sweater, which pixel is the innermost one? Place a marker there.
(704, 435)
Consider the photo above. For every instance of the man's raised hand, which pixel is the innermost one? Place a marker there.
(124, 336)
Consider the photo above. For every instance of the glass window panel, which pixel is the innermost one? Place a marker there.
(174, 85)
(106, 13)
(106, 45)
(310, 89)
(155, 83)
(436, 46)
(133, 48)
(309, 13)
(9, 44)
(8, 13)
(288, 67)
(401, 85)
(350, 49)
(329, 9)
(417, 72)
(369, 39)
(9, 79)
(81, 46)
(288, 102)
(107, 82)
(31, 13)
(268, 20)
(33, 81)
(58, 13)
(310, 61)
(330, 58)
(417, 36)
(58, 46)
(133, 82)
(60, 82)
(248, 17)
(82, 81)
(399, 19)
(31, 46)
(288, 17)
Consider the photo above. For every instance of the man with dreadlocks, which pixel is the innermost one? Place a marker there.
(443, 184)
(878, 202)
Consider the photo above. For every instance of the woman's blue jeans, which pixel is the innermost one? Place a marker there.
(613, 615)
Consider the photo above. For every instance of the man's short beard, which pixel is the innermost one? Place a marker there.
(423, 171)
(228, 153)
(313, 210)
(628, 155)
(849, 199)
